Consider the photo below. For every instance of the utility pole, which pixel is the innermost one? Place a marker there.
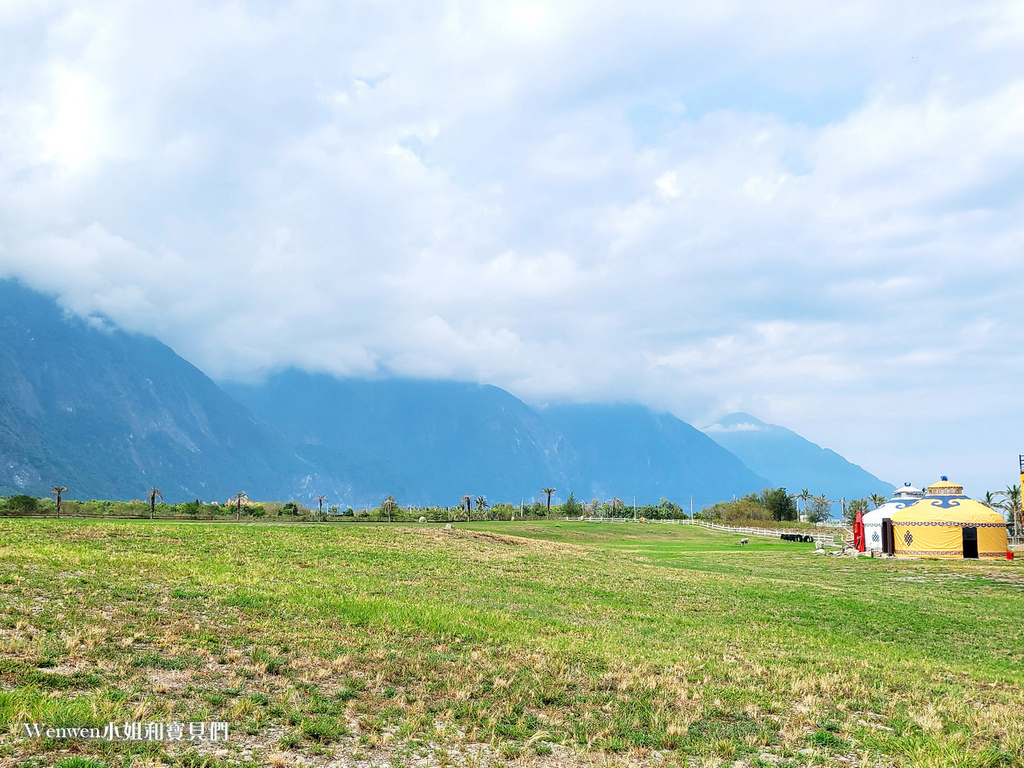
(691, 507)
(634, 509)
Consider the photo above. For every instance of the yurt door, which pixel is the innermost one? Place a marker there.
(888, 544)
(970, 542)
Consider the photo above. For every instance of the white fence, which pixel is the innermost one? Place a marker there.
(828, 539)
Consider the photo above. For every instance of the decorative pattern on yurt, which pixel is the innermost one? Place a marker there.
(947, 524)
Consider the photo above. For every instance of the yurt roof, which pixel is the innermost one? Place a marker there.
(944, 488)
(945, 502)
(907, 492)
(887, 510)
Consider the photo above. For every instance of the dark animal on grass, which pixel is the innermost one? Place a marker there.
(796, 537)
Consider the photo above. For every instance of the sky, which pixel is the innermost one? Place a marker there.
(810, 212)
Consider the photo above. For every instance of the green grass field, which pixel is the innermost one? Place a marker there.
(528, 643)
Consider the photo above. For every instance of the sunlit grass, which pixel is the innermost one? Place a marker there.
(499, 641)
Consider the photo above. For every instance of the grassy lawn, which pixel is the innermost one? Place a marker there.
(530, 643)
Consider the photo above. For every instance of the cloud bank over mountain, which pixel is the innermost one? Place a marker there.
(808, 212)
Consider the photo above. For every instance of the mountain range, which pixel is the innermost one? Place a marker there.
(791, 461)
(111, 414)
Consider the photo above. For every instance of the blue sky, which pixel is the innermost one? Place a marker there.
(810, 212)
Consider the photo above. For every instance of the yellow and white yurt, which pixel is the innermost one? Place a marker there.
(945, 523)
(903, 497)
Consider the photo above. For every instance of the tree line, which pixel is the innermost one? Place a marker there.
(469, 508)
(778, 505)
(770, 504)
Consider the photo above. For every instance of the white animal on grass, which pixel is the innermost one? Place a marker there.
(744, 541)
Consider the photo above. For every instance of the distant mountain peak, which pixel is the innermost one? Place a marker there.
(791, 461)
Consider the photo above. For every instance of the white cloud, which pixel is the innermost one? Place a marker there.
(809, 211)
(740, 426)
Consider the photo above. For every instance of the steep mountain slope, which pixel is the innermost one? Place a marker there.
(792, 462)
(109, 414)
(629, 450)
(438, 440)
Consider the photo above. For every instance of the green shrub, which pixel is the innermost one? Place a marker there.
(22, 504)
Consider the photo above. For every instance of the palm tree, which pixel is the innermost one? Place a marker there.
(57, 491)
(617, 505)
(481, 505)
(153, 493)
(856, 505)
(467, 502)
(237, 498)
(804, 496)
(320, 504)
(1011, 504)
(877, 499)
(548, 491)
(821, 509)
(388, 506)
(991, 500)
